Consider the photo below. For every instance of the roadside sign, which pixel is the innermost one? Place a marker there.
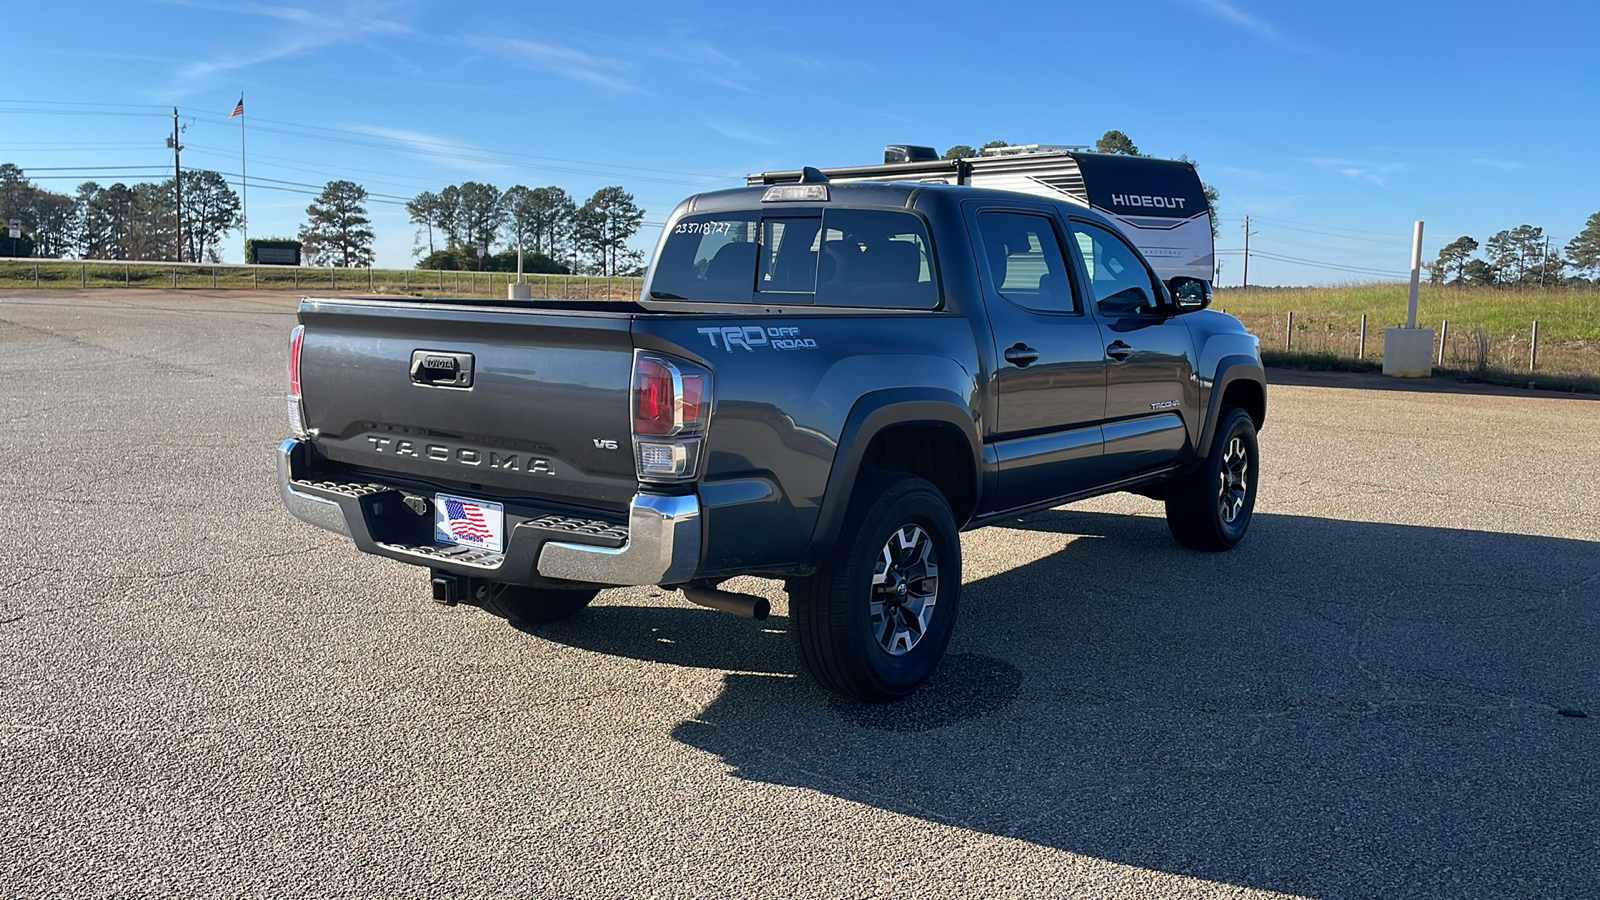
(16, 228)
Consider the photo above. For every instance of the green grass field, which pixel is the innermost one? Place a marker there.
(1489, 335)
(1564, 314)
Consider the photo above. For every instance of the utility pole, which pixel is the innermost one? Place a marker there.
(1246, 253)
(177, 183)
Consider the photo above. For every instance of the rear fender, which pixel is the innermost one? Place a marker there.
(870, 416)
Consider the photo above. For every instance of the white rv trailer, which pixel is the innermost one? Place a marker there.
(1158, 203)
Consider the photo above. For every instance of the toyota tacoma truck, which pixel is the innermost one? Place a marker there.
(821, 383)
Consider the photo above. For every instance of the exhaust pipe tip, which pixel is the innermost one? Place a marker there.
(742, 605)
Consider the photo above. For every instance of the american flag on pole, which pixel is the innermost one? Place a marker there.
(466, 521)
(238, 110)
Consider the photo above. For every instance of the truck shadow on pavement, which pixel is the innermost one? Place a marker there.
(1334, 709)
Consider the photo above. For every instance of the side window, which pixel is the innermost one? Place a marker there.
(1026, 261)
(709, 257)
(874, 258)
(1120, 281)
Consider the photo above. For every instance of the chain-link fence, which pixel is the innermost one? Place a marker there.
(1349, 340)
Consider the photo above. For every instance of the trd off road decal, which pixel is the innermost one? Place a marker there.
(751, 337)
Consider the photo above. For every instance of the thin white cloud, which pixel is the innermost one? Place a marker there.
(740, 134)
(554, 59)
(1499, 164)
(1268, 204)
(1251, 175)
(334, 25)
(1257, 28)
(1360, 170)
(438, 149)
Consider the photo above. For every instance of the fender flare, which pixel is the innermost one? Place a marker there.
(1230, 369)
(870, 415)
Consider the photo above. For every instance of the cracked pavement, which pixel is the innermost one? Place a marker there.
(1374, 696)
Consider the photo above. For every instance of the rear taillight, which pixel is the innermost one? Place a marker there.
(297, 415)
(671, 409)
(654, 397)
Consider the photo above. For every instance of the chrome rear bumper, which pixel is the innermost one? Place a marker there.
(662, 547)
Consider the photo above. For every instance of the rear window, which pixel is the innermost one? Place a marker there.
(841, 257)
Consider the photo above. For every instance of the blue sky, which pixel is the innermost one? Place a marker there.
(1334, 126)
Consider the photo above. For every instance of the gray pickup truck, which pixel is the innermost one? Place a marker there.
(820, 383)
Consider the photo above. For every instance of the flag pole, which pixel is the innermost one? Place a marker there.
(244, 182)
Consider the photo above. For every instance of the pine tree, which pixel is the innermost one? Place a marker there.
(339, 231)
(1583, 251)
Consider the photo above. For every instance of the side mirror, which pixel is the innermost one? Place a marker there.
(1189, 294)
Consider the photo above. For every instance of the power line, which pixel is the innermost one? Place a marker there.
(161, 106)
(75, 112)
(1317, 225)
(26, 170)
(413, 147)
(1356, 270)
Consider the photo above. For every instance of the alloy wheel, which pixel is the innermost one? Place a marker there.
(905, 589)
(1234, 480)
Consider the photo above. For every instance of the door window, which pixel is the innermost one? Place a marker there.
(1026, 261)
(1122, 284)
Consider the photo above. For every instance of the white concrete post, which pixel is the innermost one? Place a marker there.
(1408, 351)
(521, 290)
(1416, 276)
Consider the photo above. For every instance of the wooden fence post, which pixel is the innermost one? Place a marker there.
(1444, 335)
(1361, 345)
(1533, 348)
(1288, 335)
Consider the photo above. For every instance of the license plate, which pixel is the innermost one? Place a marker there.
(468, 522)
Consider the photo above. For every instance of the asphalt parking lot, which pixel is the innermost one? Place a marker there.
(1376, 695)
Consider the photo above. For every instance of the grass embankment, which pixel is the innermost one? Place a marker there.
(1489, 336)
(66, 274)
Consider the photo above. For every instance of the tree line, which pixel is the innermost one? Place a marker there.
(1520, 257)
(119, 221)
(460, 225)
(140, 222)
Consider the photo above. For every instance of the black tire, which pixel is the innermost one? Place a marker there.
(874, 622)
(1209, 509)
(535, 605)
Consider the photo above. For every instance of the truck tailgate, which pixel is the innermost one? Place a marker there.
(544, 414)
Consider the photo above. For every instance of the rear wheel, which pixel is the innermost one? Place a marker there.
(1210, 508)
(874, 622)
(534, 605)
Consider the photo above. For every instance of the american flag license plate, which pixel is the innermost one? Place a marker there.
(469, 523)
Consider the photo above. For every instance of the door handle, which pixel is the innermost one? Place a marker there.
(1119, 351)
(441, 368)
(1021, 355)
